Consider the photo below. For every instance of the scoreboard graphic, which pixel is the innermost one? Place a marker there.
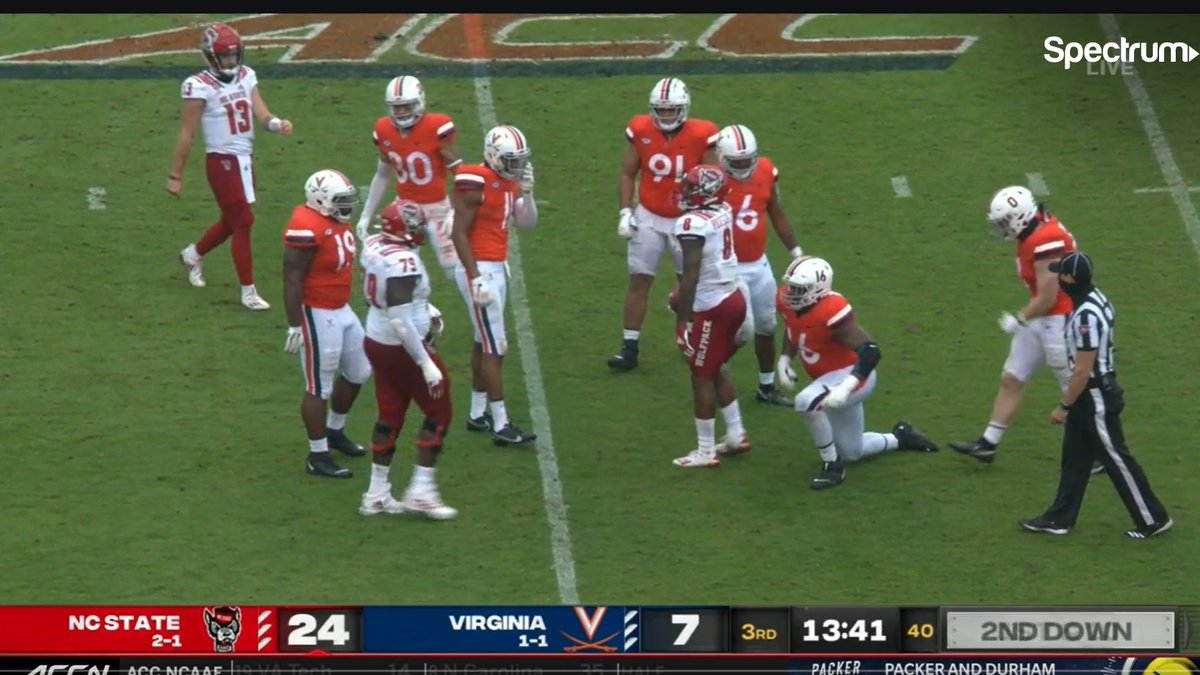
(818, 640)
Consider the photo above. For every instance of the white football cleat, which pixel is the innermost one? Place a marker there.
(428, 503)
(383, 502)
(252, 300)
(728, 447)
(698, 460)
(191, 262)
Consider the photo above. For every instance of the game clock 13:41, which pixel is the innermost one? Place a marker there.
(851, 630)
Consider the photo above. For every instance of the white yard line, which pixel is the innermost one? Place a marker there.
(552, 494)
(97, 198)
(1158, 140)
(1143, 191)
(900, 186)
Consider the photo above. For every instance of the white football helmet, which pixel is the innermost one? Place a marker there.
(669, 103)
(738, 151)
(808, 280)
(330, 193)
(406, 93)
(506, 151)
(1011, 211)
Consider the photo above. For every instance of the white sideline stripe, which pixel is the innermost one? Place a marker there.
(1142, 191)
(552, 494)
(1158, 140)
(1037, 184)
(900, 186)
(96, 198)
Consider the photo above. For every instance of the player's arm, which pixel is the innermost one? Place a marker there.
(265, 118)
(189, 119)
(384, 174)
(449, 153)
(625, 178)
(783, 227)
(849, 333)
(466, 205)
(710, 152)
(296, 261)
(1085, 359)
(693, 252)
(400, 316)
(1047, 290)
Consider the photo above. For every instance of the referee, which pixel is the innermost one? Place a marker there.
(1091, 407)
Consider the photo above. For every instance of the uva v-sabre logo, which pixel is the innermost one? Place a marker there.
(69, 670)
(1123, 51)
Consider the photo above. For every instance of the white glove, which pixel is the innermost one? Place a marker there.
(683, 340)
(840, 393)
(527, 178)
(1010, 323)
(364, 228)
(433, 378)
(482, 291)
(784, 372)
(627, 224)
(295, 340)
(796, 252)
(436, 324)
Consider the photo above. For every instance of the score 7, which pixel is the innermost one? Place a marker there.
(690, 623)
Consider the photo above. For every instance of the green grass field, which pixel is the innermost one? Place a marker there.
(155, 453)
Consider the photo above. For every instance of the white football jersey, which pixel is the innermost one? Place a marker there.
(228, 119)
(719, 265)
(384, 259)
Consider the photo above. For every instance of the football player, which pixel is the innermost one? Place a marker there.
(224, 101)
(1037, 328)
(406, 366)
(318, 261)
(753, 196)
(840, 357)
(416, 151)
(711, 311)
(663, 146)
(486, 197)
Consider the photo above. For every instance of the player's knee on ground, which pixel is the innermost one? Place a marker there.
(433, 431)
(849, 451)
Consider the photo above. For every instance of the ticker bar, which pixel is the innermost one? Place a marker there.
(1073, 629)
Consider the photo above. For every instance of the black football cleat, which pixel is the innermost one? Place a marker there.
(1152, 530)
(1042, 524)
(831, 474)
(321, 464)
(481, 423)
(626, 358)
(769, 393)
(978, 448)
(1097, 467)
(911, 439)
(338, 441)
(512, 435)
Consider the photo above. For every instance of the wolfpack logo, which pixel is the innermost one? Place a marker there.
(224, 624)
(590, 624)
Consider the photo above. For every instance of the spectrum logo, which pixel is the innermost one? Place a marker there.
(1070, 53)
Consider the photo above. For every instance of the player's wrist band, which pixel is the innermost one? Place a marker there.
(1064, 406)
(174, 177)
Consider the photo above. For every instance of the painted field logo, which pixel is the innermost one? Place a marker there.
(1114, 53)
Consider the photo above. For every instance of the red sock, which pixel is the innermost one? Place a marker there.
(213, 237)
(243, 261)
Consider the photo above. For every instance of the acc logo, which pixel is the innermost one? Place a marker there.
(224, 624)
(590, 623)
(70, 670)
(1166, 665)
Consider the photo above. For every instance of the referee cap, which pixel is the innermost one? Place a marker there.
(1075, 263)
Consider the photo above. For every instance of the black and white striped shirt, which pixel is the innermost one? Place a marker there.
(1090, 327)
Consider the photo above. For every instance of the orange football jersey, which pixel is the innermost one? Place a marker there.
(489, 233)
(748, 199)
(811, 331)
(327, 283)
(664, 161)
(1052, 240)
(415, 155)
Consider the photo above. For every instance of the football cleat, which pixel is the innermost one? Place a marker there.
(1147, 531)
(321, 464)
(192, 263)
(979, 449)
(698, 459)
(911, 439)
(252, 300)
(728, 447)
(383, 502)
(429, 504)
(1042, 524)
(625, 359)
(831, 474)
(481, 423)
(1097, 467)
(338, 440)
(512, 435)
(769, 393)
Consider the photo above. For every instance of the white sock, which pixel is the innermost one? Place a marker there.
(733, 422)
(478, 403)
(249, 290)
(499, 415)
(631, 334)
(190, 253)
(379, 479)
(994, 432)
(705, 434)
(875, 443)
(335, 421)
(828, 452)
(318, 445)
(422, 478)
(766, 378)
